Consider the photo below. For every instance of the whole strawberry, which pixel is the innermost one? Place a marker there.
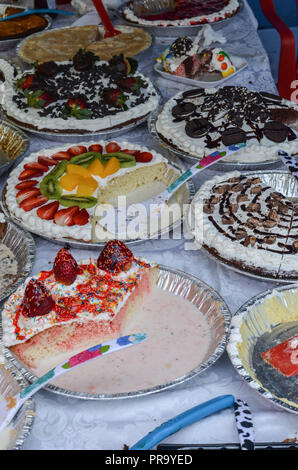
(25, 82)
(38, 98)
(37, 300)
(114, 97)
(65, 267)
(131, 84)
(77, 108)
(115, 257)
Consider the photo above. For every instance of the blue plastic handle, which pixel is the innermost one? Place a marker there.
(38, 10)
(184, 419)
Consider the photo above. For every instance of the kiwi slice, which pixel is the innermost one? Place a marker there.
(85, 159)
(83, 202)
(58, 170)
(50, 187)
(125, 159)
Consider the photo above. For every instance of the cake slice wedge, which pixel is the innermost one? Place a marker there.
(102, 298)
(284, 356)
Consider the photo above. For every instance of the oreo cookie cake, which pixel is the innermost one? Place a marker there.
(82, 95)
(248, 224)
(199, 121)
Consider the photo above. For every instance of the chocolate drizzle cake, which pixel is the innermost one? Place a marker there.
(199, 121)
(249, 225)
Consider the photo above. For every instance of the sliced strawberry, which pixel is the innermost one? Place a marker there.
(65, 216)
(33, 202)
(131, 152)
(144, 157)
(95, 148)
(112, 147)
(47, 161)
(26, 194)
(61, 156)
(115, 257)
(26, 184)
(81, 217)
(48, 211)
(28, 174)
(77, 150)
(36, 167)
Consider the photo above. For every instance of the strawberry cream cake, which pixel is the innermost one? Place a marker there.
(76, 304)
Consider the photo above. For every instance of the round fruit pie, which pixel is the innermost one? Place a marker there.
(83, 95)
(55, 192)
(180, 12)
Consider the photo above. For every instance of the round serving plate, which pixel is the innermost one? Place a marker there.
(220, 166)
(14, 142)
(22, 245)
(9, 44)
(87, 136)
(12, 382)
(175, 31)
(186, 195)
(282, 182)
(138, 56)
(202, 296)
(256, 327)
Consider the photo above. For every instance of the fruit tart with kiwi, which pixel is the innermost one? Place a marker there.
(55, 192)
(81, 96)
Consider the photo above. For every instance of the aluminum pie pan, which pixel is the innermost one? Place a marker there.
(192, 289)
(285, 183)
(175, 31)
(137, 56)
(11, 382)
(248, 326)
(14, 142)
(221, 166)
(188, 193)
(22, 245)
(8, 44)
(87, 136)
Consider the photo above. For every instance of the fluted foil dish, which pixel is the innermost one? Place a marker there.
(189, 287)
(22, 245)
(14, 436)
(264, 321)
(14, 143)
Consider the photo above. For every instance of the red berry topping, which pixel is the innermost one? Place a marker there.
(65, 216)
(36, 167)
(112, 147)
(144, 157)
(26, 184)
(37, 300)
(28, 174)
(61, 156)
(77, 150)
(33, 202)
(26, 194)
(95, 148)
(115, 257)
(81, 217)
(131, 152)
(47, 161)
(48, 211)
(65, 267)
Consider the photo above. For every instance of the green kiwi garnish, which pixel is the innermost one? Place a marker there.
(125, 159)
(85, 159)
(83, 202)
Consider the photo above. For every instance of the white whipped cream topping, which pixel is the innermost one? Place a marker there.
(253, 152)
(231, 8)
(35, 325)
(31, 220)
(33, 118)
(267, 261)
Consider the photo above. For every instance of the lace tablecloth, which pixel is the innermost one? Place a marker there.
(68, 423)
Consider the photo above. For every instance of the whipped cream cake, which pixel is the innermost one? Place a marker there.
(82, 95)
(199, 121)
(57, 191)
(76, 304)
(180, 12)
(248, 225)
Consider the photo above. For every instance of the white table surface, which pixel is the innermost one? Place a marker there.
(69, 423)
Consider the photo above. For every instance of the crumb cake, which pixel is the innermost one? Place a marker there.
(180, 12)
(198, 121)
(56, 191)
(76, 304)
(248, 225)
(83, 95)
(63, 43)
(18, 28)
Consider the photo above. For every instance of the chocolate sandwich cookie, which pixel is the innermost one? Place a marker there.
(197, 127)
(183, 110)
(190, 94)
(233, 135)
(276, 131)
